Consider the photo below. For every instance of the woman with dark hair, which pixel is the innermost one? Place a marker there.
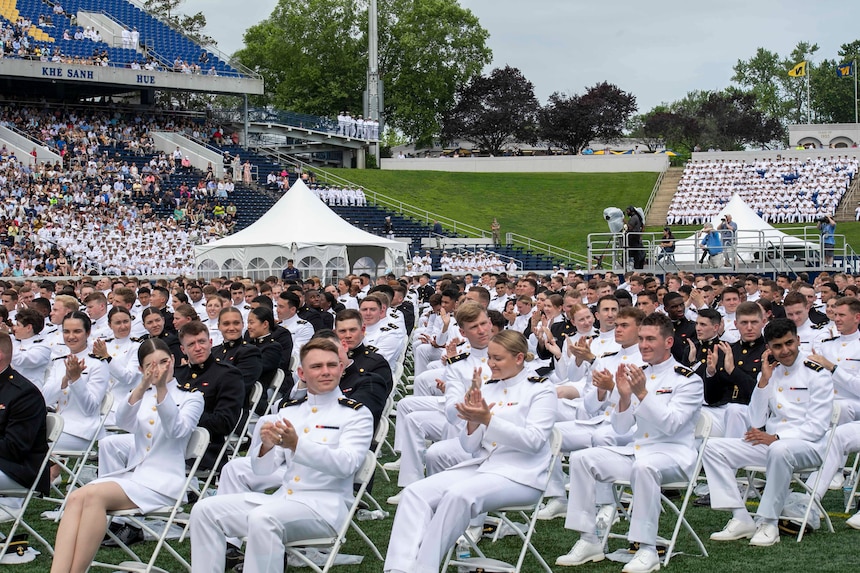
(153, 322)
(120, 354)
(667, 246)
(261, 322)
(75, 386)
(161, 416)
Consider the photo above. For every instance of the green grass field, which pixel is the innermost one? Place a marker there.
(819, 551)
(558, 208)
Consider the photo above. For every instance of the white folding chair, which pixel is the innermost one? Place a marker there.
(81, 457)
(195, 451)
(240, 433)
(334, 543)
(796, 478)
(704, 423)
(527, 513)
(852, 479)
(381, 438)
(53, 427)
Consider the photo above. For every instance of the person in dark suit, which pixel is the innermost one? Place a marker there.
(23, 440)
(259, 334)
(237, 351)
(349, 327)
(220, 383)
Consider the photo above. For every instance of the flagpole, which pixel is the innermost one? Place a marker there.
(808, 107)
(854, 70)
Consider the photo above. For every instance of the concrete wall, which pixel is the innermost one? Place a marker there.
(752, 155)
(842, 134)
(200, 156)
(547, 164)
(23, 146)
(128, 77)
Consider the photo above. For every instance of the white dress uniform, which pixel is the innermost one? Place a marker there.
(795, 405)
(124, 371)
(31, 357)
(388, 338)
(334, 436)
(434, 418)
(348, 301)
(154, 470)
(601, 345)
(137, 328)
(301, 330)
(662, 450)
(811, 335)
(79, 402)
(508, 464)
(100, 329)
(844, 352)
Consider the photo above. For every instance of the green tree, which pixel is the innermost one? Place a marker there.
(494, 111)
(833, 96)
(191, 25)
(313, 57)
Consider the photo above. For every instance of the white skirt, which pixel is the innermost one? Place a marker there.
(146, 499)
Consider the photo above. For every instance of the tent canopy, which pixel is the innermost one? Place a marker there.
(754, 234)
(299, 227)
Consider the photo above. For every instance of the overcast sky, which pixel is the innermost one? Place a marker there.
(658, 51)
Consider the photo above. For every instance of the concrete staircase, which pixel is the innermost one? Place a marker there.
(660, 205)
(845, 210)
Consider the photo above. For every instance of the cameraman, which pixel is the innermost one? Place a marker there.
(827, 228)
(634, 237)
(712, 246)
(728, 230)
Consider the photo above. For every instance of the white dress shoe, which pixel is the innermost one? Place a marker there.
(735, 529)
(837, 481)
(645, 561)
(765, 536)
(392, 466)
(393, 500)
(608, 513)
(556, 507)
(854, 521)
(582, 552)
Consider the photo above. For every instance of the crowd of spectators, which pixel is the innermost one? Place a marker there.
(782, 190)
(340, 196)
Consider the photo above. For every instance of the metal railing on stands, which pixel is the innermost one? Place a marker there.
(654, 191)
(12, 127)
(530, 244)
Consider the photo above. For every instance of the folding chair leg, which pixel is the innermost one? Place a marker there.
(367, 540)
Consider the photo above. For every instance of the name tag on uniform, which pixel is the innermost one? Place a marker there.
(665, 391)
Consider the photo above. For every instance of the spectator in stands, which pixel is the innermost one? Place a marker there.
(667, 246)
(827, 227)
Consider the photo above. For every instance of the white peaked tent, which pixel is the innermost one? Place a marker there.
(754, 235)
(299, 227)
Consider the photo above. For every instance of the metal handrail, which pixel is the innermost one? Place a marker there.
(552, 250)
(654, 192)
(12, 127)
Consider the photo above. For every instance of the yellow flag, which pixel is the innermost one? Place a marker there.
(798, 71)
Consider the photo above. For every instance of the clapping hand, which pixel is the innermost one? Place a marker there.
(74, 367)
(474, 408)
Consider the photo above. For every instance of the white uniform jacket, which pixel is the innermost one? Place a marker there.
(334, 436)
(515, 444)
(123, 367)
(844, 352)
(603, 409)
(161, 433)
(796, 403)
(31, 357)
(301, 330)
(458, 379)
(666, 419)
(80, 401)
(389, 340)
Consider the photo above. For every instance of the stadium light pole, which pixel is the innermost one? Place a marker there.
(373, 97)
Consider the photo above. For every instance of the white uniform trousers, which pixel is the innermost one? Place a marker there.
(849, 410)
(443, 455)
(645, 473)
(576, 436)
(267, 526)
(845, 440)
(729, 420)
(418, 427)
(425, 355)
(435, 511)
(425, 383)
(238, 477)
(723, 457)
(407, 406)
(113, 453)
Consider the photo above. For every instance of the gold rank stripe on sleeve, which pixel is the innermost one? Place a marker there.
(813, 365)
(684, 371)
(288, 403)
(457, 358)
(537, 379)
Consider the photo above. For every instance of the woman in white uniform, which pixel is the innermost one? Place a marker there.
(161, 416)
(120, 354)
(508, 423)
(76, 384)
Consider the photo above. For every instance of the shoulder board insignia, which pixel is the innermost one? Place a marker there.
(813, 365)
(60, 357)
(91, 355)
(288, 403)
(684, 371)
(38, 340)
(831, 338)
(608, 354)
(136, 339)
(300, 321)
(537, 379)
(457, 358)
(819, 326)
(109, 339)
(393, 326)
(491, 382)
(371, 348)
(52, 331)
(349, 403)
(185, 388)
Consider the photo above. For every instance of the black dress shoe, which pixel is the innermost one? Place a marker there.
(114, 528)
(127, 534)
(235, 558)
(703, 501)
